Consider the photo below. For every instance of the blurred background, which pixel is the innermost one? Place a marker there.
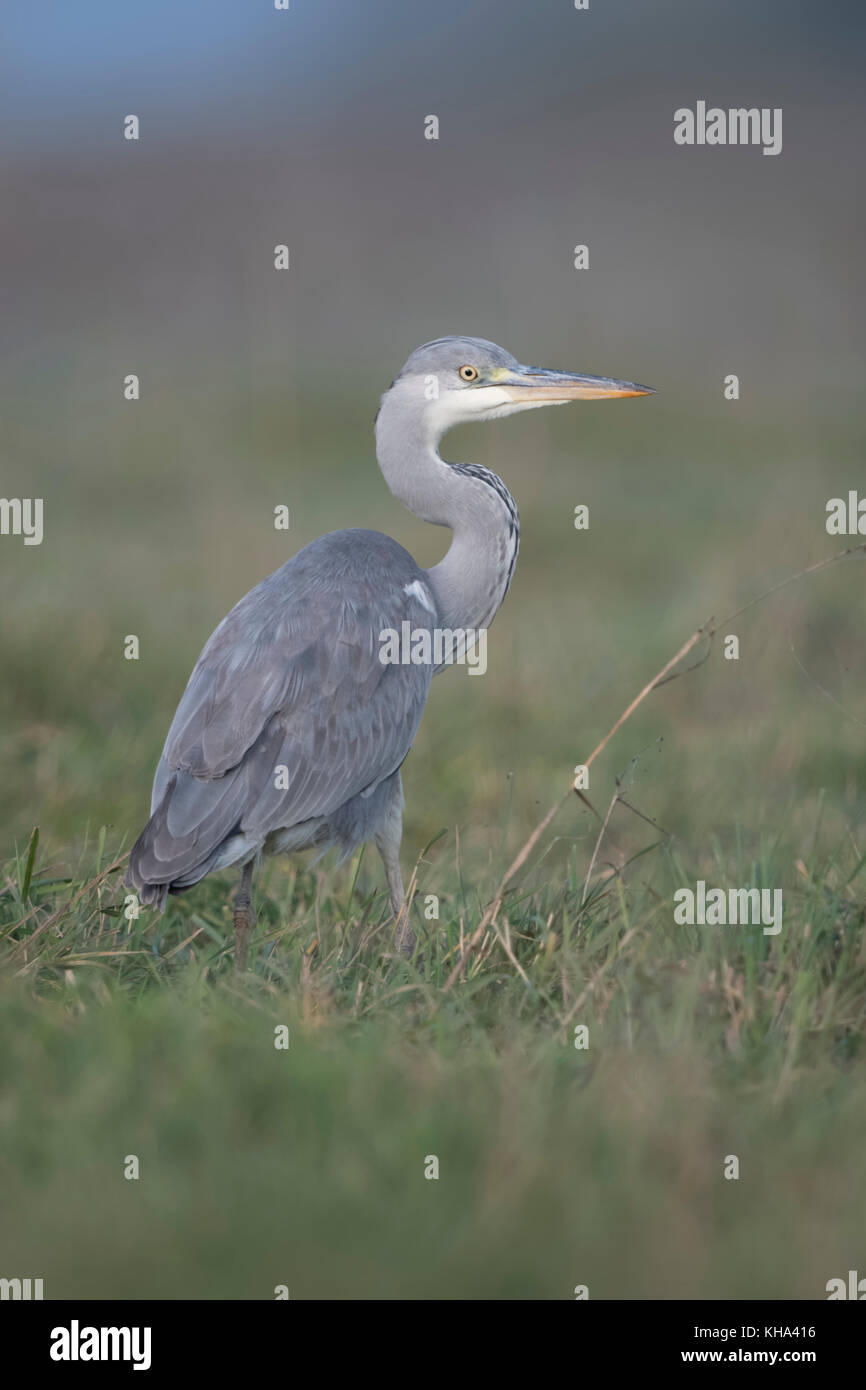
(259, 387)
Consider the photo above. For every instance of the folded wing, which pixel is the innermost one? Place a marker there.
(289, 711)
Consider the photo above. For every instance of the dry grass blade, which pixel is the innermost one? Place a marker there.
(489, 916)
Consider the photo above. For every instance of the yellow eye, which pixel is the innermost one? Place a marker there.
(468, 373)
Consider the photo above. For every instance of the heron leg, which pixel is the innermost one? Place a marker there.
(244, 917)
(388, 844)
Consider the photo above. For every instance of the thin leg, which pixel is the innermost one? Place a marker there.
(244, 916)
(388, 844)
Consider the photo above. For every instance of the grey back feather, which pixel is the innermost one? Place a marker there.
(291, 677)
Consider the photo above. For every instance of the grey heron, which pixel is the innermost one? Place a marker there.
(292, 730)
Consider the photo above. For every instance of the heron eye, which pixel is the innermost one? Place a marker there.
(468, 373)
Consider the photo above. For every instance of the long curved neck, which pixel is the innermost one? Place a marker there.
(470, 583)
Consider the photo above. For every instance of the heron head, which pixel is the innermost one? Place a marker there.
(457, 380)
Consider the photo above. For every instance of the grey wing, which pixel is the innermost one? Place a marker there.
(289, 711)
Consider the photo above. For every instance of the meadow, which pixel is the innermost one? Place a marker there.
(559, 1166)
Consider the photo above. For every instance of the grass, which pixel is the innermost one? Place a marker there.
(557, 1166)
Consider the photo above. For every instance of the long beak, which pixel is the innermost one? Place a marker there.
(544, 384)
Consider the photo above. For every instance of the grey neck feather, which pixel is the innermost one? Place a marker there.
(470, 583)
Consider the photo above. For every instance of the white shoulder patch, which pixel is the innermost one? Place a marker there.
(419, 591)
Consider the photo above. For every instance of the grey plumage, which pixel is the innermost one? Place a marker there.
(291, 731)
(290, 679)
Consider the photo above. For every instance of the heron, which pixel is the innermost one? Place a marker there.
(292, 730)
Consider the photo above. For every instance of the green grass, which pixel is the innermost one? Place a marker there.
(261, 1166)
(558, 1166)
